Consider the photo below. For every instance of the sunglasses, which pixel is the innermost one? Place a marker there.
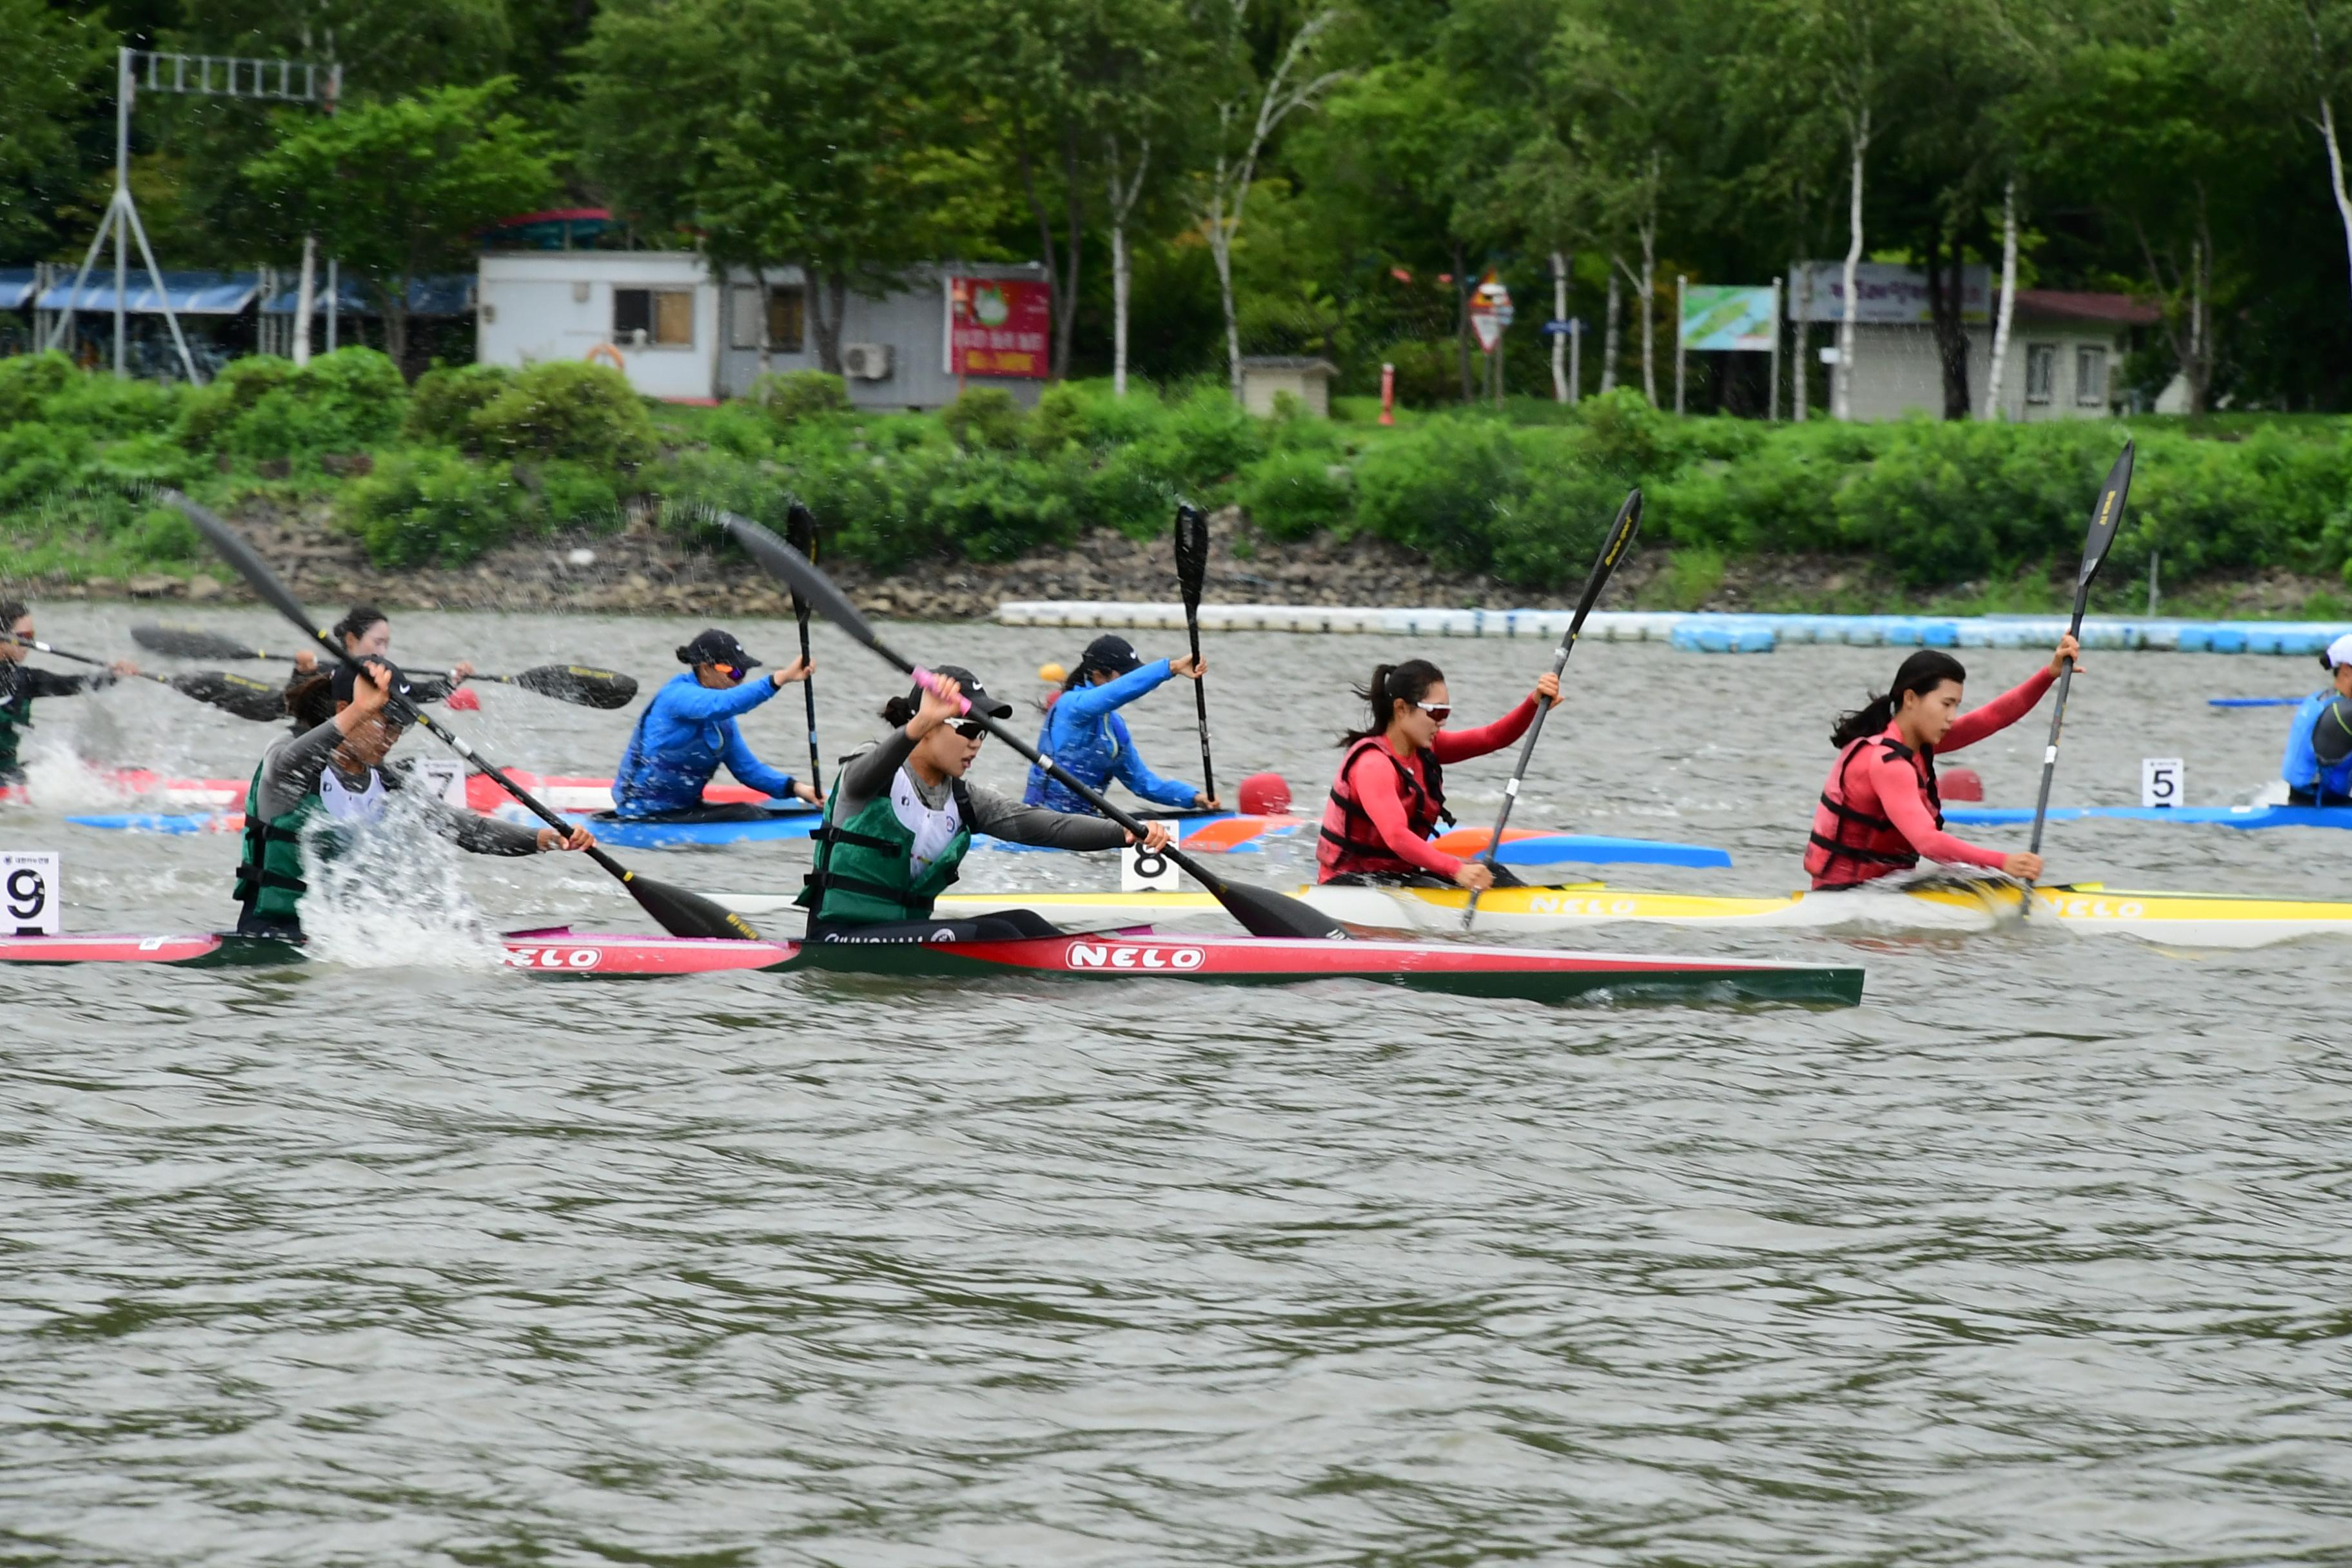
(970, 729)
(1439, 712)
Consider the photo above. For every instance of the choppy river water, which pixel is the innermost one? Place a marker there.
(2044, 1254)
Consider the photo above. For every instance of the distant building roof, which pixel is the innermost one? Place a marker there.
(16, 286)
(2069, 305)
(447, 294)
(557, 228)
(1289, 362)
(193, 293)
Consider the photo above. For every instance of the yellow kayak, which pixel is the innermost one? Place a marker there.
(2181, 919)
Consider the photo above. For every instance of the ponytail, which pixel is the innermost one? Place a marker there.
(1922, 672)
(1391, 684)
(899, 713)
(311, 699)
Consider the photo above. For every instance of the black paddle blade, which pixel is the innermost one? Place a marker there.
(807, 583)
(192, 642)
(264, 701)
(1264, 913)
(249, 566)
(578, 683)
(1614, 548)
(799, 532)
(2106, 516)
(682, 913)
(1191, 551)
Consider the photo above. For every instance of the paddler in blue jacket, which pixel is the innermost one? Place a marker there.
(1084, 733)
(689, 729)
(2318, 762)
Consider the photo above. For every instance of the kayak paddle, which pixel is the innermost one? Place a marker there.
(678, 911)
(1191, 572)
(238, 694)
(1613, 549)
(2105, 519)
(800, 529)
(1263, 913)
(574, 683)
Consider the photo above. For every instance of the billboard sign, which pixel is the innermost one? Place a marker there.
(1886, 293)
(1718, 318)
(999, 326)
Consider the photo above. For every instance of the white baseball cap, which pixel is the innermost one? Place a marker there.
(2340, 651)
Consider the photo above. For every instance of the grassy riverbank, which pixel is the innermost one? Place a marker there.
(473, 464)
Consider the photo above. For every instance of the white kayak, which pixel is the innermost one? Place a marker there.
(2179, 920)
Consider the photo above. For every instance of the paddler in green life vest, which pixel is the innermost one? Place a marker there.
(20, 683)
(335, 770)
(2318, 762)
(902, 815)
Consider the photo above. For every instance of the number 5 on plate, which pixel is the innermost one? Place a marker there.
(29, 884)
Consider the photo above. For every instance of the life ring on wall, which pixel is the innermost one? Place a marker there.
(608, 352)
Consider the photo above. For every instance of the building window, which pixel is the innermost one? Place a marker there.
(661, 317)
(2041, 370)
(787, 318)
(2091, 377)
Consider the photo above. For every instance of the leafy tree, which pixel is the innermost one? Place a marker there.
(51, 62)
(2296, 55)
(397, 188)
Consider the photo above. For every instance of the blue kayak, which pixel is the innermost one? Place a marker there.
(2223, 816)
(1206, 833)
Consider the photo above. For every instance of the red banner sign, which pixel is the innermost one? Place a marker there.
(998, 327)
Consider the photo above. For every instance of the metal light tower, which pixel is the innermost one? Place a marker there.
(217, 75)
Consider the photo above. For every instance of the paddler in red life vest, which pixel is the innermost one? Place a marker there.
(1881, 812)
(1390, 795)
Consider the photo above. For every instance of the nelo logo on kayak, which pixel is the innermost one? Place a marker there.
(1129, 955)
(566, 958)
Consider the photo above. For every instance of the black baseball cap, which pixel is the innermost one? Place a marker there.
(973, 692)
(715, 646)
(1110, 652)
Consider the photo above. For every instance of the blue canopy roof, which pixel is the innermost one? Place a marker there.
(16, 287)
(450, 294)
(193, 293)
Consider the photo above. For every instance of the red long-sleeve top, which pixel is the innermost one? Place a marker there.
(1377, 789)
(1896, 789)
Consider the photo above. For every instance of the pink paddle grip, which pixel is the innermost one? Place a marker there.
(930, 683)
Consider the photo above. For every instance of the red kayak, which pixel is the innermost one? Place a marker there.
(1463, 969)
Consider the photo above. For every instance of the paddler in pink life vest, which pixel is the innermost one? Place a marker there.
(1880, 812)
(1390, 795)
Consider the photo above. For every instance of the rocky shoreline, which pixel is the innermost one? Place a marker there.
(643, 569)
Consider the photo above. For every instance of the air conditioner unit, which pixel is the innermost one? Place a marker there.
(866, 361)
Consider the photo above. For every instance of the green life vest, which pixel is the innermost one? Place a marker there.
(865, 867)
(269, 865)
(15, 718)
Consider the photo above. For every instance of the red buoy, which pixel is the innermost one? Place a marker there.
(462, 700)
(1265, 794)
(1960, 783)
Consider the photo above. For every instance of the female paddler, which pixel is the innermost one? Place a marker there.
(1084, 733)
(365, 632)
(688, 731)
(902, 817)
(20, 683)
(1390, 795)
(334, 770)
(1880, 812)
(2318, 762)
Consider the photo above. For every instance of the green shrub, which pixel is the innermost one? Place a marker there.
(566, 408)
(165, 534)
(36, 459)
(96, 403)
(442, 405)
(573, 494)
(792, 395)
(1291, 495)
(205, 418)
(27, 380)
(1438, 487)
(984, 418)
(432, 506)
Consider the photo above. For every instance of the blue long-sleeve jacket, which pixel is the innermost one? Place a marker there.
(685, 732)
(1084, 733)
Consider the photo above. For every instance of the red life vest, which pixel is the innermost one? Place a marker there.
(1350, 845)
(1850, 845)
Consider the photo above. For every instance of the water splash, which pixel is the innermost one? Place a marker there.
(388, 895)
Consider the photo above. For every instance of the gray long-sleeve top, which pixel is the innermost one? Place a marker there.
(290, 770)
(866, 773)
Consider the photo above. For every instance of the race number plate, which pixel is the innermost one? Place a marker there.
(31, 884)
(2163, 781)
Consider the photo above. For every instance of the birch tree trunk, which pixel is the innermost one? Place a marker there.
(305, 300)
(1558, 340)
(1609, 330)
(2336, 172)
(1995, 408)
(1123, 195)
(1842, 382)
